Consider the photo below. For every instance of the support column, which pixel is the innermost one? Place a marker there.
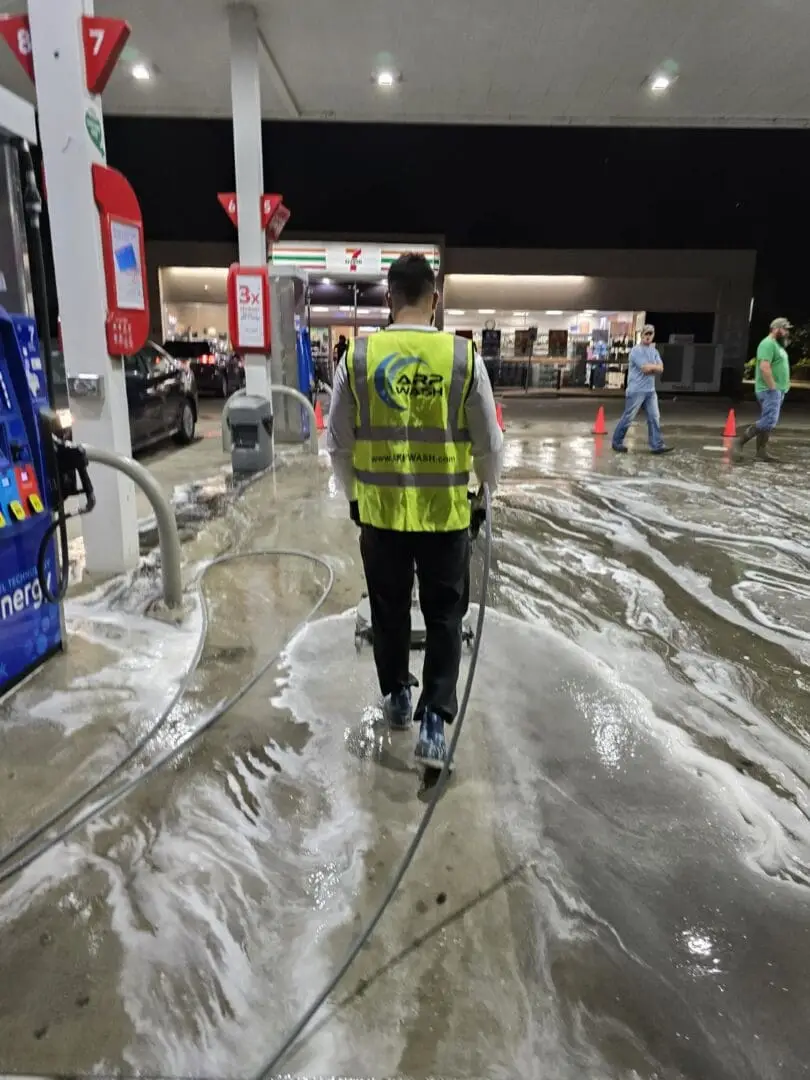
(247, 152)
(70, 119)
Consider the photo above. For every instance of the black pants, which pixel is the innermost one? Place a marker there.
(442, 563)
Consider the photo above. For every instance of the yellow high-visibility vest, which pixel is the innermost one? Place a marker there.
(412, 452)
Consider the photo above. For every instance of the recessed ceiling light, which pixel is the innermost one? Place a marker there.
(520, 314)
(345, 307)
(486, 311)
(659, 84)
(455, 311)
(141, 72)
(320, 308)
(386, 79)
(554, 312)
(589, 311)
(326, 281)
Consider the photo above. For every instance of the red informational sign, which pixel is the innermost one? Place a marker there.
(269, 205)
(227, 200)
(279, 219)
(273, 215)
(17, 31)
(124, 256)
(249, 308)
(104, 41)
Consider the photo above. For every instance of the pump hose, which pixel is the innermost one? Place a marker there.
(9, 868)
(32, 205)
(57, 595)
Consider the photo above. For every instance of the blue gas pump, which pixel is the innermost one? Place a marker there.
(39, 465)
(30, 624)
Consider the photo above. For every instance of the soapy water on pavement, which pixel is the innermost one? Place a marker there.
(624, 849)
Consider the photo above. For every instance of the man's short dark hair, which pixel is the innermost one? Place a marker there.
(411, 280)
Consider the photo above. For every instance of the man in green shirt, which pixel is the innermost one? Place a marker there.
(772, 383)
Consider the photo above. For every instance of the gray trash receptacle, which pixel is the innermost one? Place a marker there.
(250, 422)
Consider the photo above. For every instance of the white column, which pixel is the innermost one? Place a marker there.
(246, 105)
(67, 114)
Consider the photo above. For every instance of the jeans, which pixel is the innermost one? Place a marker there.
(770, 403)
(442, 562)
(633, 403)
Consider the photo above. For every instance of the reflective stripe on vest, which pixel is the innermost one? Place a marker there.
(412, 480)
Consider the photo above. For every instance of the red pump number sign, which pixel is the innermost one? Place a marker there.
(249, 308)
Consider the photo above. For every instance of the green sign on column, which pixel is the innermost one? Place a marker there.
(92, 121)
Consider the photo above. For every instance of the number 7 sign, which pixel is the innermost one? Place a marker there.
(104, 40)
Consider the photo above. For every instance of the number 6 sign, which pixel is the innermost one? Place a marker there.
(249, 308)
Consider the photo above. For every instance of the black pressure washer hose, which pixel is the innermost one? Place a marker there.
(267, 1070)
(9, 868)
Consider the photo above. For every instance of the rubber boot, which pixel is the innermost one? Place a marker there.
(762, 446)
(749, 433)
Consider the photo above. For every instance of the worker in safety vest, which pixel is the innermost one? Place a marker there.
(412, 410)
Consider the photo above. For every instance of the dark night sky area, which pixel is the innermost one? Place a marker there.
(502, 187)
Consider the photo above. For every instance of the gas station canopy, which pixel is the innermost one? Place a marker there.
(639, 62)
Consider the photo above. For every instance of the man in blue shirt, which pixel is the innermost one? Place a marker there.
(645, 364)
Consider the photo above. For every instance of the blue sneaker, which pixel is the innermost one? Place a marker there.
(397, 709)
(431, 749)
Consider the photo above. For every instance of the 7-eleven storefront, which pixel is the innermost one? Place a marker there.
(345, 289)
(346, 285)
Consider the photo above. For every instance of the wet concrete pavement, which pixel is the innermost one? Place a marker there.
(175, 467)
(615, 882)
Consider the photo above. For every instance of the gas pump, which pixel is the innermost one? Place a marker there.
(39, 466)
(306, 370)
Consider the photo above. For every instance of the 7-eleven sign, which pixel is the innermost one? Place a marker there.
(354, 259)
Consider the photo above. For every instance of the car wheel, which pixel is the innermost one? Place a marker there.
(188, 424)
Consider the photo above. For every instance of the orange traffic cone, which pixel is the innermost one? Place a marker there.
(730, 430)
(318, 416)
(499, 415)
(600, 427)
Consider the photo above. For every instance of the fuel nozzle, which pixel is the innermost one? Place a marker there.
(67, 460)
(68, 476)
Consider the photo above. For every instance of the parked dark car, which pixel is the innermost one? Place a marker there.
(216, 372)
(161, 396)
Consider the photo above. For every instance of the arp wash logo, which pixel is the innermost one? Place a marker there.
(393, 381)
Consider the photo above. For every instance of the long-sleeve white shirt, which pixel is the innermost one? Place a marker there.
(481, 417)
